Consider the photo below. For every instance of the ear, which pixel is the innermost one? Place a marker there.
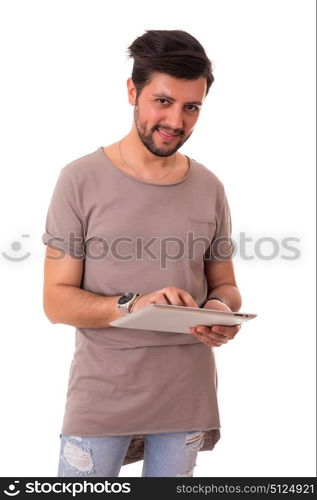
(131, 91)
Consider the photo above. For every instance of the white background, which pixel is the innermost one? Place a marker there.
(63, 94)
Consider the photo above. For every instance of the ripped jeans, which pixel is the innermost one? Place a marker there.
(171, 454)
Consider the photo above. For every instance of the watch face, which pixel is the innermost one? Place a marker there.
(125, 298)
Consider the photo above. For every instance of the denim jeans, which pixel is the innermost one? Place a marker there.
(171, 454)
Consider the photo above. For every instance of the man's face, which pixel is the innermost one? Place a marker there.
(167, 105)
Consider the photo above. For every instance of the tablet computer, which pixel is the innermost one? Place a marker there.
(170, 318)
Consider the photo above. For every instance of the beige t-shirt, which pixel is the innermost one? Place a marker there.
(139, 236)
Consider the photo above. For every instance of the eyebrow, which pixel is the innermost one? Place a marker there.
(164, 96)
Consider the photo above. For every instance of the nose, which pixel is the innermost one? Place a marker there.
(175, 120)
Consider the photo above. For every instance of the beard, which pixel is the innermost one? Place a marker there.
(149, 142)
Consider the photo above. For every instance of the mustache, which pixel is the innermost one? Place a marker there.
(169, 131)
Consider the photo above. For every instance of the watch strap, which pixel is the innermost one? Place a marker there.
(134, 302)
(212, 298)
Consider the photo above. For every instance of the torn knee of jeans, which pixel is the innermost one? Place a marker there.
(78, 457)
(194, 441)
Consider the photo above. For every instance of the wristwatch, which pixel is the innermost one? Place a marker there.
(125, 302)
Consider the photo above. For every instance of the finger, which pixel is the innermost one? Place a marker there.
(159, 299)
(178, 297)
(207, 330)
(203, 334)
(227, 331)
(187, 299)
(237, 329)
(172, 297)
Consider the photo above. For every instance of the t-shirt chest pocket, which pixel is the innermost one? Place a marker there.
(200, 233)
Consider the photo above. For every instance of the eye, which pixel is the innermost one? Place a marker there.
(194, 108)
(161, 99)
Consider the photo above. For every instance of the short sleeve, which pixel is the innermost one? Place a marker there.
(64, 229)
(222, 246)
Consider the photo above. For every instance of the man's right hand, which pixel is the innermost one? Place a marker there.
(167, 295)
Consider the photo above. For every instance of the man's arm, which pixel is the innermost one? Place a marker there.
(63, 299)
(222, 283)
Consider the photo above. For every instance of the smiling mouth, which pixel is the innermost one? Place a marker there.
(165, 135)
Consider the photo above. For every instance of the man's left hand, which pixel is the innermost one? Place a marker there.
(215, 335)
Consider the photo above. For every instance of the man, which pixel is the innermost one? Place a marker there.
(131, 224)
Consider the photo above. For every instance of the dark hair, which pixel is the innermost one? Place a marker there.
(174, 52)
